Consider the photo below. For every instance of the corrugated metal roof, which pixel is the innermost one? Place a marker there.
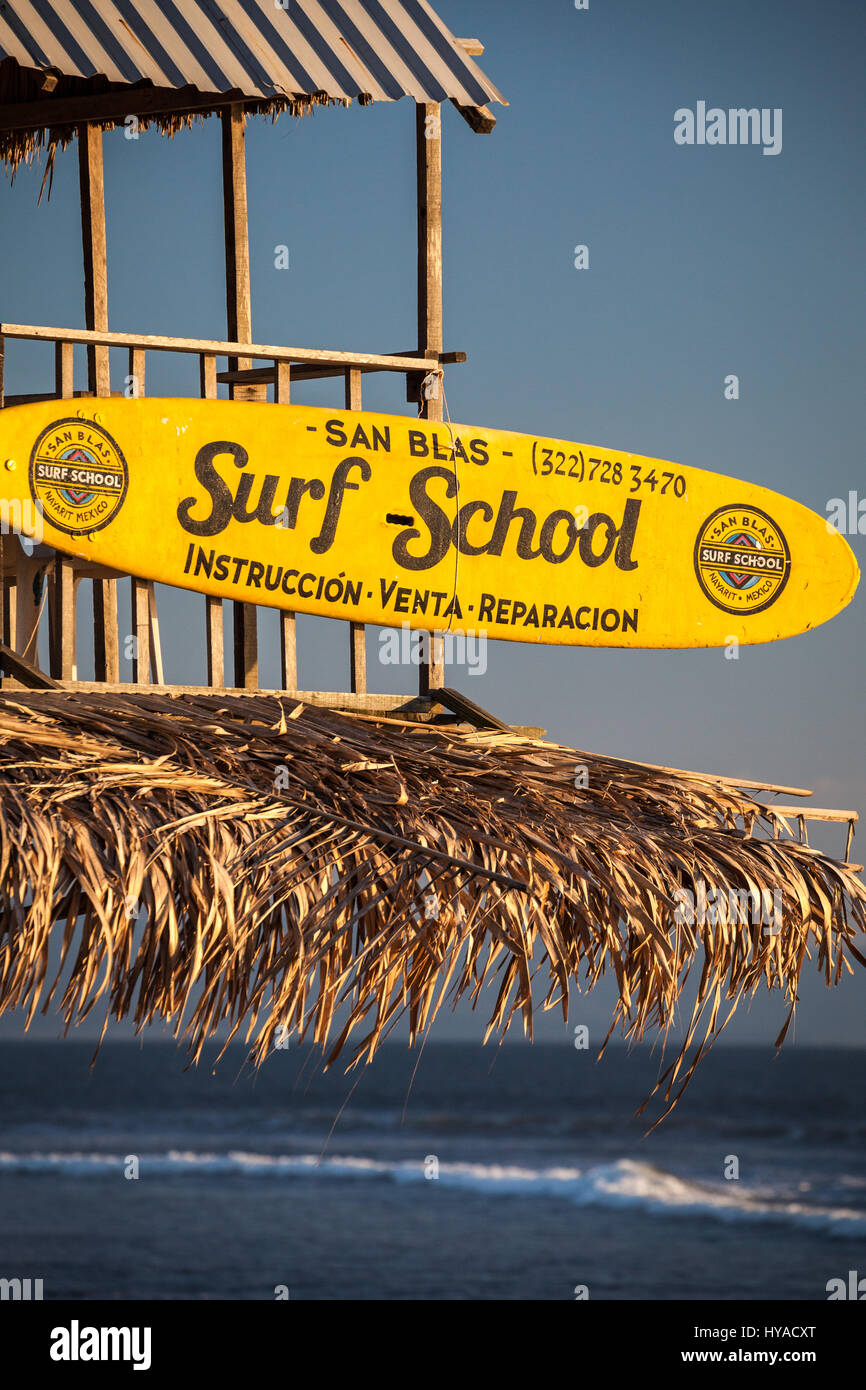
(342, 49)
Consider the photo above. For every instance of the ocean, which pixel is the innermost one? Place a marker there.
(515, 1172)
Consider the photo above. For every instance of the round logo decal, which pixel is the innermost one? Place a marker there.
(78, 475)
(741, 559)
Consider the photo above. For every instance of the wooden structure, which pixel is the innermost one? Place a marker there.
(70, 80)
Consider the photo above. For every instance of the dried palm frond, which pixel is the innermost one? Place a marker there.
(284, 869)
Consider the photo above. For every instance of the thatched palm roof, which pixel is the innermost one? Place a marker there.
(297, 869)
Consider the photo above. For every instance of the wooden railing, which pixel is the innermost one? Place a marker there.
(284, 365)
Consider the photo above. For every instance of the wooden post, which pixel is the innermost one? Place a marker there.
(106, 656)
(428, 143)
(92, 187)
(357, 637)
(64, 382)
(214, 629)
(239, 321)
(136, 373)
(140, 596)
(61, 619)
(288, 626)
(93, 242)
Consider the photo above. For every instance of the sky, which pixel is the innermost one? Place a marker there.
(704, 261)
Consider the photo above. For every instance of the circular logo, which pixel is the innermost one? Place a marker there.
(78, 475)
(741, 559)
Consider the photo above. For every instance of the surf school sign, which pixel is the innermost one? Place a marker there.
(386, 520)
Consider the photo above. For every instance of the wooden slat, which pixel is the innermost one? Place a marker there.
(106, 655)
(61, 620)
(428, 144)
(246, 657)
(357, 658)
(137, 362)
(215, 640)
(140, 595)
(208, 375)
(219, 348)
(288, 651)
(64, 357)
(265, 375)
(10, 604)
(282, 379)
(813, 813)
(154, 643)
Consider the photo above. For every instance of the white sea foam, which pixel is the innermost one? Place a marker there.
(622, 1184)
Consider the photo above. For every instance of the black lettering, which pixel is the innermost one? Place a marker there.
(218, 491)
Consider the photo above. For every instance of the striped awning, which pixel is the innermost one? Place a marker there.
(264, 50)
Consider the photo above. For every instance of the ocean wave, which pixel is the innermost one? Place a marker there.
(623, 1184)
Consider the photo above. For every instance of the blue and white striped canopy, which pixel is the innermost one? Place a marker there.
(264, 49)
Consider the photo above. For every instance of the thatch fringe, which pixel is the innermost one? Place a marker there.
(23, 85)
(299, 871)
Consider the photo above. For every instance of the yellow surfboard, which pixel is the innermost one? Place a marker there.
(391, 520)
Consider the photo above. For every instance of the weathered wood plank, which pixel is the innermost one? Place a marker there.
(219, 347)
(136, 382)
(140, 596)
(106, 654)
(61, 619)
(24, 671)
(64, 360)
(215, 640)
(288, 651)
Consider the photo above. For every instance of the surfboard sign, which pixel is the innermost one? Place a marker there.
(391, 520)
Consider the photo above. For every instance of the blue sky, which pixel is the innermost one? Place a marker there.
(703, 261)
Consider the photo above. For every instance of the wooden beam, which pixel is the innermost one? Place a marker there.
(109, 106)
(428, 148)
(365, 705)
(30, 676)
(92, 186)
(474, 47)
(480, 118)
(217, 347)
